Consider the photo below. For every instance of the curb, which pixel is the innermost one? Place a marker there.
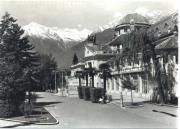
(127, 106)
(55, 123)
(168, 105)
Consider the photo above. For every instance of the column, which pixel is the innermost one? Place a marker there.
(120, 85)
(110, 85)
(140, 84)
(114, 82)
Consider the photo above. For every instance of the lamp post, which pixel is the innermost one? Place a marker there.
(55, 81)
(121, 94)
(55, 78)
(63, 74)
(62, 82)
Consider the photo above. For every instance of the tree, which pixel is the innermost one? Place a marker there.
(105, 73)
(164, 79)
(79, 74)
(17, 64)
(75, 59)
(127, 83)
(91, 72)
(47, 71)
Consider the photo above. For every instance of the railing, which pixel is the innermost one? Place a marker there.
(127, 70)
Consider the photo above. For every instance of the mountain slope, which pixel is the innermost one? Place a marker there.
(67, 56)
(55, 33)
(56, 41)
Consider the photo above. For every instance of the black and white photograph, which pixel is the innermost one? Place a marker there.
(89, 64)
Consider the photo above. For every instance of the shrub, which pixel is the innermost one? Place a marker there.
(109, 97)
(86, 93)
(80, 92)
(96, 94)
(174, 100)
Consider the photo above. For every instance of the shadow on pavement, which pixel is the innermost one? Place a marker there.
(133, 105)
(46, 103)
(165, 113)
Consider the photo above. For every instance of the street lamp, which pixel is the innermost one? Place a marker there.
(55, 78)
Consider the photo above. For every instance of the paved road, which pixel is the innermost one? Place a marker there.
(76, 113)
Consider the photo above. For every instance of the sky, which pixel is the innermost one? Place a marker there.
(89, 14)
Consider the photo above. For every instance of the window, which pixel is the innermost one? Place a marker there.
(89, 64)
(108, 85)
(112, 65)
(176, 59)
(157, 29)
(137, 28)
(117, 33)
(166, 25)
(176, 28)
(145, 87)
(125, 29)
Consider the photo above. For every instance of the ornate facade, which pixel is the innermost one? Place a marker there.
(125, 55)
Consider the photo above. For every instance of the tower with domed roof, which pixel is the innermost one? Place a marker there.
(131, 22)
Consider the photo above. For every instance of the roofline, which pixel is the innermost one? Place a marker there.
(110, 42)
(125, 24)
(164, 19)
(77, 65)
(164, 38)
(91, 49)
(95, 58)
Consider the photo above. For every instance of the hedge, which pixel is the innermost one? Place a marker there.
(96, 94)
(86, 93)
(80, 92)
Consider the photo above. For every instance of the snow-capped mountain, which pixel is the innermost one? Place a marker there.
(54, 40)
(71, 34)
(67, 34)
(152, 15)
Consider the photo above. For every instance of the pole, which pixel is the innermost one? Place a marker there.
(55, 81)
(62, 83)
(121, 97)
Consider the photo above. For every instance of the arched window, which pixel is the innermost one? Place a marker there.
(166, 25)
(157, 29)
(137, 28)
(176, 28)
(125, 29)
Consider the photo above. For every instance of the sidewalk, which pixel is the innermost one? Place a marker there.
(166, 114)
(77, 113)
(4, 123)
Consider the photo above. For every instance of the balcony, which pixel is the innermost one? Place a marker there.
(127, 69)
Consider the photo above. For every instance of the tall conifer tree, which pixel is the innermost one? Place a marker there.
(17, 65)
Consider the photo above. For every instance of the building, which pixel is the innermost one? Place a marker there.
(165, 33)
(125, 55)
(73, 81)
(94, 56)
(131, 68)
